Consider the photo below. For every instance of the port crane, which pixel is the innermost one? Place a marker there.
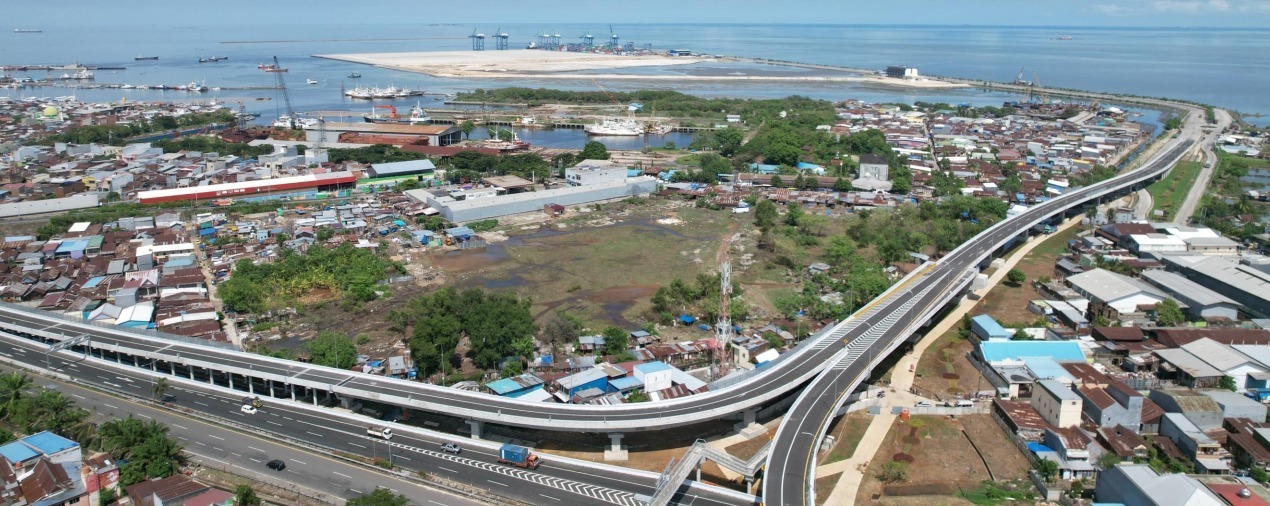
(500, 39)
(478, 40)
(1018, 80)
(392, 111)
(613, 39)
(286, 97)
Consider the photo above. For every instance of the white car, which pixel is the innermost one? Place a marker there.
(249, 409)
(923, 404)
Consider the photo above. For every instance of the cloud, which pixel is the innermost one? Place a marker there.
(1190, 6)
(1111, 9)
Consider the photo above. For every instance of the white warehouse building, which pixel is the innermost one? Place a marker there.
(472, 209)
(589, 172)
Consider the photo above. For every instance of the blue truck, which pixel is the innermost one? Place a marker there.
(518, 456)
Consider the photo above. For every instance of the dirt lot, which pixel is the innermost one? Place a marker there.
(944, 461)
(1008, 304)
(944, 371)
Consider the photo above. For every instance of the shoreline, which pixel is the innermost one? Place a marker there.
(536, 64)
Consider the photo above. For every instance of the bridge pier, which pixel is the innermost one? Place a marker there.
(292, 389)
(749, 426)
(476, 426)
(616, 451)
(230, 375)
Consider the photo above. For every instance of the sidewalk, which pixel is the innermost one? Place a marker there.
(844, 493)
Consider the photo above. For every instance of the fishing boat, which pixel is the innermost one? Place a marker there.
(354, 75)
(195, 87)
(417, 116)
(265, 66)
(275, 69)
(358, 92)
(144, 58)
(310, 81)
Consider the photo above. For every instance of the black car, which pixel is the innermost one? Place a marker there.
(276, 464)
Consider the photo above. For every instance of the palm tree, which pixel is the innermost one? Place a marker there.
(244, 495)
(13, 387)
(159, 388)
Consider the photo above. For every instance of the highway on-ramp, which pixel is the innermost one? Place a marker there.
(790, 473)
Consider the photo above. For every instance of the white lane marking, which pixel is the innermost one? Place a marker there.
(314, 433)
(77, 396)
(447, 469)
(301, 462)
(179, 427)
(289, 418)
(253, 460)
(353, 490)
(147, 417)
(200, 443)
(215, 437)
(402, 457)
(549, 497)
(273, 422)
(437, 503)
(201, 404)
(254, 448)
(217, 449)
(497, 483)
(357, 445)
(109, 406)
(342, 474)
(235, 454)
(124, 378)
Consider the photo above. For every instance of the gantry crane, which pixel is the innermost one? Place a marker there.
(286, 97)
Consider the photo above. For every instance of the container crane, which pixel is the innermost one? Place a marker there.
(613, 39)
(286, 97)
(588, 40)
(1018, 80)
(478, 40)
(500, 39)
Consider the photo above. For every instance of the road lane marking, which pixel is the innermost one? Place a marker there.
(497, 483)
(201, 404)
(273, 422)
(147, 417)
(447, 469)
(254, 448)
(109, 406)
(355, 491)
(217, 449)
(549, 497)
(200, 443)
(357, 445)
(436, 503)
(77, 396)
(253, 460)
(179, 427)
(342, 474)
(235, 454)
(402, 457)
(215, 437)
(314, 433)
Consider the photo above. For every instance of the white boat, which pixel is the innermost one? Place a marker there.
(615, 127)
(388, 92)
(195, 87)
(403, 92)
(358, 92)
(83, 74)
(311, 81)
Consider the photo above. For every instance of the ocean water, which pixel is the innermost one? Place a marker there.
(1218, 66)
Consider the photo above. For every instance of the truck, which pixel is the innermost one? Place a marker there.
(379, 432)
(518, 456)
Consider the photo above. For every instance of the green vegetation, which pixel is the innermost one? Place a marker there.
(893, 472)
(118, 135)
(1168, 313)
(1227, 383)
(665, 102)
(471, 166)
(208, 144)
(483, 225)
(380, 497)
(1225, 203)
(491, 322)
(27, 411)
(1016, 277)
(702, 298)
(1173, 123)
(333, 349)
(244, 495)
(378, 153)
(346, 271)
(992, 494)
(145, 445)
(594, 150)
(1167, 193)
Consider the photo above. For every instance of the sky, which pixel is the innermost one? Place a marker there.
(1067, 13)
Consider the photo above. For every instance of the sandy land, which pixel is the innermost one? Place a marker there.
(536, 64)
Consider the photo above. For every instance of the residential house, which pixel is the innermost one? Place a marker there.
(1138, 484)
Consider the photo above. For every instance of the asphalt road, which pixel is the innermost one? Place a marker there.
(790, 470)
(555, 482)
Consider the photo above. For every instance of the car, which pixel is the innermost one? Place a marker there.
(451, 448)
(276, 464)
(248, 408)
(923, 404)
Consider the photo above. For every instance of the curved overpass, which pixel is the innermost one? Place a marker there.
(790, 471)
(894, 308)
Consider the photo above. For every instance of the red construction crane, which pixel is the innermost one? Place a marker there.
(392, 111)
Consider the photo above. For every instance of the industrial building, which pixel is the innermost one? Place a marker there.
(472, 208)
(407, 168)
(901, 71)
(1200, 302)
(318, 182)
(589, 172)
(388, 133)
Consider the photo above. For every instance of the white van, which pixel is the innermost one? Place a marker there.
(965, 403)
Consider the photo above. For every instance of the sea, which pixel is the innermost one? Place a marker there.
(1219, 66)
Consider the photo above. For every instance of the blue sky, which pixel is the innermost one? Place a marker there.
(1074, 13)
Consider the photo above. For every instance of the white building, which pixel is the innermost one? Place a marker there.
(1057, 403)
(589, 172)
(1157, 243)
(656, 376)
(1117, 292)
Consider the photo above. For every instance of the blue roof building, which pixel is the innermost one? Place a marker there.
(987, 328)
(44, 444)
(625, 384)
(1059, 351)
(515, 386)
(590, 378)
(763, 168)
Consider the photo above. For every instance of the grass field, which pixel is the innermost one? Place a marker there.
(848, 430)
(1167, 193)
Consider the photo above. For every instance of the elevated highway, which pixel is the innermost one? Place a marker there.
(790, 472)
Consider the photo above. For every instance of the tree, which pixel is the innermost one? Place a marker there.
(13, 388)
(637, 396)
(1108, 460)
(1021, 335)
(729, 140)
(765, 213)
(1259, 474)
(793, 213)
(524, 347)
(616, 341)
(1016, 277)
(244, 495)
(159, 388)
(1228, 383)
(560, 331)
(1168, 313)
(777, 182)
(467, 127)
(594, 150)
(1047, 468)
(513, 368)
(842, 185)
(380, 497)
(333, 349)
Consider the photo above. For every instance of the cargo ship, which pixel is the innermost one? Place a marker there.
(615, 127)
(144, 58)
(27, 30)
(417, 116)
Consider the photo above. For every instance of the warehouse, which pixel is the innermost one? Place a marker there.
(471, 209)
(319, 182)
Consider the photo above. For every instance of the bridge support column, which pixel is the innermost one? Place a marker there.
(191, 371)
(251, 385)
(749, 426)
(230, 375)
(616, 451)
(172, 368)
(476, 426)
(292, 389)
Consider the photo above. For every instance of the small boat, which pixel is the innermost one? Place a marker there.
(144, 58)
(275, 69)
(354, 75)
(311, 81)
(265, 66)
(195, 87)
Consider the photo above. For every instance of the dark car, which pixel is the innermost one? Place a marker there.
(276, 464)
(451, 448)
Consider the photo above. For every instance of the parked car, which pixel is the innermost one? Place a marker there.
(923, 404)
(451, 448)
(248, 408)
(276, 464)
